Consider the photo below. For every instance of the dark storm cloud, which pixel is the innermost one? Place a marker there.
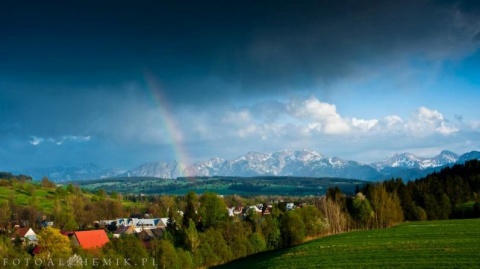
(56, 112)
(477, 37)
(250, 47)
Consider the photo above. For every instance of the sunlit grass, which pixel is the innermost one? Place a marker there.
(432, 244)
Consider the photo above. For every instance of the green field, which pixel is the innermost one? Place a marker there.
(22, 197)
(430, 244)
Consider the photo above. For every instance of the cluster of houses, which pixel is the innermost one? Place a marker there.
(145, 229)
(85, 239)
(258, 208)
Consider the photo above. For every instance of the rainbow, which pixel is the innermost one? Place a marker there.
(174, 134)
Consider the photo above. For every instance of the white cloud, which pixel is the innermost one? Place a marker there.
(76, 138)
(310, 117)
(59, 141)
(323, 117)
(36, 140)
(393, 121)
(364, 125)
(426, 122)
(311, 123)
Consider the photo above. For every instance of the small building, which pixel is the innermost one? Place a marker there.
(162, 223)
(253, 208)
(24, 234)
(143, 224)
(90, 239)
(268, 210)
(123, 230)
(146, 235)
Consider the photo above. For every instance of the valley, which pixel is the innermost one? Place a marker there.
(247, 186)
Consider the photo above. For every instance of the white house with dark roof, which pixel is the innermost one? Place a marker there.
(25, 234)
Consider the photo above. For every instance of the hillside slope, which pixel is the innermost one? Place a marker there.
(430, 244)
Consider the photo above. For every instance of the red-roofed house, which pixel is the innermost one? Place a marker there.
(90, 239)
(24, 233)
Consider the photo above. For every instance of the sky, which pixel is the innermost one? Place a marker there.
(122, 83)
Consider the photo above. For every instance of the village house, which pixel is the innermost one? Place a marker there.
(25, 234)
(90, 239)
(145, 224)
(150, 234)
(254, 208)
(123, 230)
(162, 224)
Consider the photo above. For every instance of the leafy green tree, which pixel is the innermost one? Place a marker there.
(431, 207)
(70, 188)
(192, 238)
(63, 215)
(60, 191)
(165, 254)
(419, 213)
(271, 230)
(213, 211)
(165, 203)
(5, 214)
(313, 220)
(190, 212)
(114, 195)
(215, 240)
(240, 247)
(171, 223)
(131, 248)
(185, 259)
(363, 212)
(10, 252)
(109, 255)
(292, 228)
(446, 207)
(53, 245)
(206, 255)
(232, 230)
(388, 210)
(257, 242)
(29, 214)
(46, 183)
(101, 193)
(253, 218)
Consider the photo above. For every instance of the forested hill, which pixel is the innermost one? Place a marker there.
(453, 192)
(10, 176)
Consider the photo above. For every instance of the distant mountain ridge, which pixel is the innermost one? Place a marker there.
(310, 163)
(68, 173)
(408, 160)
(300, 163)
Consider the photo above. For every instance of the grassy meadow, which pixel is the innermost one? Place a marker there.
(429, 244)
(20, 194)
(42, 198)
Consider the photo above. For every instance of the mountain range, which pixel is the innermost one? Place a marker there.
(68, 173)
(301, 163)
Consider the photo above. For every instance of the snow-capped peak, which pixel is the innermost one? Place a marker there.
(408, 160)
